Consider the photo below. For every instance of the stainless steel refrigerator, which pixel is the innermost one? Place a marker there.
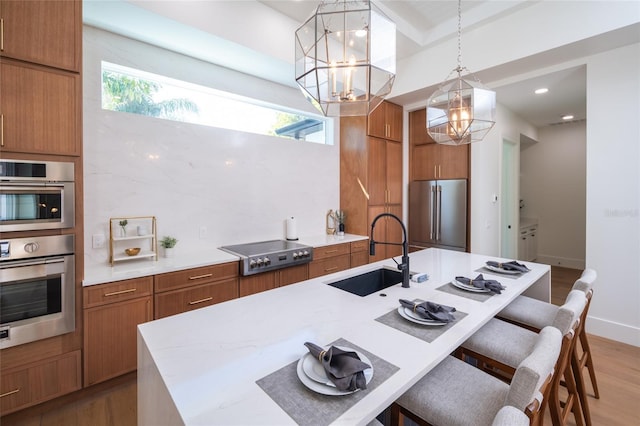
(438, 214)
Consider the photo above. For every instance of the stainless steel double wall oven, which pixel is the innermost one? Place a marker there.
(37, 272)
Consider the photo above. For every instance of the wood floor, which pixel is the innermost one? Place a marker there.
(114, 402)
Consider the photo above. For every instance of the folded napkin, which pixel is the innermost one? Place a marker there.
(480, 282)
(509, 266)
(430, 310)
(343, 368)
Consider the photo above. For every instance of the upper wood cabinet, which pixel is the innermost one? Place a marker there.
(385, 172)
(435, 161)
(39, 109)
(386, 122)
(418, 134)
(47, 32)
(429, 160)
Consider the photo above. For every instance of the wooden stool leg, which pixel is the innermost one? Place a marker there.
(589, 361)
(573, 398)
(582, 391)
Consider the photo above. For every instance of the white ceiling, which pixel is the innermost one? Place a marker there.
(208, 29)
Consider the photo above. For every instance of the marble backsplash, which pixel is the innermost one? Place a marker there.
(236, 186)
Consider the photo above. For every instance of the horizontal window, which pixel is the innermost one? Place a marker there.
(129, 90)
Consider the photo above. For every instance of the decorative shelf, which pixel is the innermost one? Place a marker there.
(139, 231)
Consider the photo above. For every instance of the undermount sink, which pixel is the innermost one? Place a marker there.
(369, 282)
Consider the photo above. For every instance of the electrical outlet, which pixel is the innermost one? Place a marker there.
(97, 241)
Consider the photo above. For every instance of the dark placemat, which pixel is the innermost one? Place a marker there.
(484, 270)
(428, 333)
(452, 289)
(307, 407)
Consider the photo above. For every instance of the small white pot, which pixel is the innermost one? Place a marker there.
(168, 252)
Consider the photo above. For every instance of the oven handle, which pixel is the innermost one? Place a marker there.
(25, 263)
(32, 186)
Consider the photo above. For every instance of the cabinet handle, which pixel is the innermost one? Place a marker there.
(331, 269)
(10, 393)
(115, 293)
(330, 251)
(206, 299)
(197, 277)
(2, 34)
(435, 171)
(1, 129)
(439, 171)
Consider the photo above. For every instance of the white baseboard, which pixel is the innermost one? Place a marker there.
(613, 330)
(560, 261)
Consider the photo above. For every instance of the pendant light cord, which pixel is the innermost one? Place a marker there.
(459, 69)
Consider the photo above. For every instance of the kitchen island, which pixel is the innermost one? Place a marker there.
(215, 365)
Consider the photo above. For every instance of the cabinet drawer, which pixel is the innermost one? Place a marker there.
(359, 258)
(329, 251)
(39, 382)
(178, 301)
(317, 268)
(191, 277)
(357, 246)
(118, 291)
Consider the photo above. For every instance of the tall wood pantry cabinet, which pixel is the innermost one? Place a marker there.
(371, 175)
(41, 120)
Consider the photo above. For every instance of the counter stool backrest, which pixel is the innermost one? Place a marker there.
(570, 312)
(586, 281)
(534, 371)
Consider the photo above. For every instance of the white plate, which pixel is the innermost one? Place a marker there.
(502, 271)
(312, 374)
(469, 287)
(405, 313)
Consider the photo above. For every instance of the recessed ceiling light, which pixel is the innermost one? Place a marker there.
(567, 117)
(541, 91)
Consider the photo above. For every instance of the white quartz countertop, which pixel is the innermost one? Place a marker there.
(187, 260)
(201, 367)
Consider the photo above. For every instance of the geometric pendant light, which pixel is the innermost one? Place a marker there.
(345, 57)
(461, 111)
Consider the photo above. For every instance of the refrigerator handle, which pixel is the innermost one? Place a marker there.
(433, 210)
(438, 211)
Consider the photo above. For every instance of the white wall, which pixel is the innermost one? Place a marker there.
(552, 185)
(240, 186)
(613, 192)
(486, 165)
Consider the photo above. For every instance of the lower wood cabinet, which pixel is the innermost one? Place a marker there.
(111, 315)
(359, 253)
(338, 257)
(40, 381)
(182, 291)
(259, 282)
(293, 275)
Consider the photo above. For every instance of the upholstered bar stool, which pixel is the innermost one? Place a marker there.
(535, 314)
(501, 346)
(456, 393)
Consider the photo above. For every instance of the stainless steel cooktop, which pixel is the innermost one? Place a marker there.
(265, 256)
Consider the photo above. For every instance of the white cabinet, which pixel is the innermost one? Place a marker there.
(528, 243)
(132, 238)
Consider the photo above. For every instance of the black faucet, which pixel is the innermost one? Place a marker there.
(404, 266)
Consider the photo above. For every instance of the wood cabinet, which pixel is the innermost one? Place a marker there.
(386, 122)
(387, 230)
(418, 134)
(40, 110)
(182, 291)
(40, 381)
(257, 283)
(359, 253)
(330, 259)
(435, 161)
(47, 32)
(111, 315)
(293, 274)
(370, 173)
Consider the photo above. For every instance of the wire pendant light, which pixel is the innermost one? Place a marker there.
(346, 57)
(461, 111)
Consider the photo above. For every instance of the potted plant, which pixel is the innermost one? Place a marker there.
(340, 216)
(123, 225)
(168, 243)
